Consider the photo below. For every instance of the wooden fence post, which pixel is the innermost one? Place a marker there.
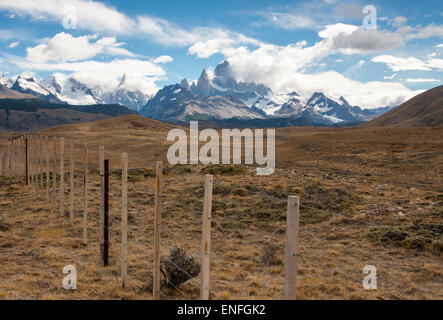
(102, 197)
(37, 164)
(106, 217)
(41, 169)
(206, 238)
(1, 163)
(26, 162)
(62, 176)
(124, 248)
(54, 176)
(31, 161)
(14, 160)
(157, 231)
(34, 163)
(71, 182)
(47, 169)
(291, 250)
(85, 195)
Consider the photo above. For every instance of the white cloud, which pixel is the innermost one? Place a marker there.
(420, 32)
(140, 74)
(360, 63)
(402, 64)
(224, 42)
(399, 21)
(411, 63)
(350, 39)
(290, 21)
(13, 44)
(163, 59)
(420, 80)
(283, 70)
(392, 76)
(90, 15)
(65, 47)
(436, 63)
(98, 17)
(286, 68)
(6, 34)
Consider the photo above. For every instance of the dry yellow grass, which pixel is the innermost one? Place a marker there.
(363, 173)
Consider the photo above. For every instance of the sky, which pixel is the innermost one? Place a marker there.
(380, 56)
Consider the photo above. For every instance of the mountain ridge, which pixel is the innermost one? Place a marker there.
(425, 109)
(36, 114)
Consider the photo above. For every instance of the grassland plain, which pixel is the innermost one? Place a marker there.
(370, 196)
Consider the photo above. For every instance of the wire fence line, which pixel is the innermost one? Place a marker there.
(107, 228)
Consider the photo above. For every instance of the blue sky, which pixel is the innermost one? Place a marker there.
(305, 46)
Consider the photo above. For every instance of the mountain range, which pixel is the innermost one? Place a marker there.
(215, 96)
(220, 97)
(59, 88)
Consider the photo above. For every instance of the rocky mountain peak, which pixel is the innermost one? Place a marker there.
(184, 84)
(203, 84)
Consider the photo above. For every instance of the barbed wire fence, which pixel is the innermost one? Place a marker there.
(24, 160)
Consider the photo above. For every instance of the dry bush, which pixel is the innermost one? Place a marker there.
(270, 255)
(179, 267)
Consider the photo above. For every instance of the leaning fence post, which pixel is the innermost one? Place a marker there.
(62, 176)
(102, 197)
(85, 195)
(157, 231)
(71, 182)
(124, 249)
(292, 224)
(106, 217)
(206, 238)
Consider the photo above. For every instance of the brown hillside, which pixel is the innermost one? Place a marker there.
(424, 110)
(6, 93)
(133, 134)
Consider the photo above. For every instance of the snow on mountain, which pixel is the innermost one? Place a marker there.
(339, 108)
(223, 83)
(325, 109)
(31, 86)
(178, 103)
(247, 100)
(74, 92)
(215, 95)
(3, 80)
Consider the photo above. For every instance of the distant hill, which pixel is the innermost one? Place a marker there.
(424, 110)
(6, 93)
(35, 114)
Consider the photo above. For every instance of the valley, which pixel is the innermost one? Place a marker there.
(369, 196)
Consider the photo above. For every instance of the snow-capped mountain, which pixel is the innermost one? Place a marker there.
(180, 103)
(325, 109)
(223, 83)
(8, 82)
(75, 92)
(32, 87)
(217, 95)
(245, 100)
